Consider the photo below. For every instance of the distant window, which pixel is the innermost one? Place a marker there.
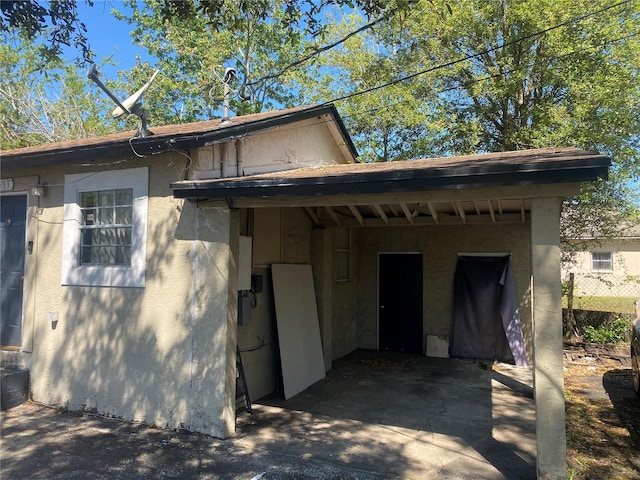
(343, 254)
(602, 261)
(105, 228)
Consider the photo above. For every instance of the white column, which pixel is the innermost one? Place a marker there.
(547, 338)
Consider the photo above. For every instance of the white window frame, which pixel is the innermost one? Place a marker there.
(600, 261)
(345, 253)
(75, 274)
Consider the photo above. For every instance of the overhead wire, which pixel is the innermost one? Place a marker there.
(500, 74)
(321, 50)
(451, 63)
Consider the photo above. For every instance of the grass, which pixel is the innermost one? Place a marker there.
(603, 304)
(602, 440)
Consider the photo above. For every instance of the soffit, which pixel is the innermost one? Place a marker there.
(488, 188)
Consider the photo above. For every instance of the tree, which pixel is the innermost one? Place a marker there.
(57, 23)
(191, 55)
(46, 107)
(503, 75)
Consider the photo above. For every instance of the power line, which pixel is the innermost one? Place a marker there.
(501, 74)
(322, 49)
(577, 19)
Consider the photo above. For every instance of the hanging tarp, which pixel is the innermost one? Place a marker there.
(486, 324)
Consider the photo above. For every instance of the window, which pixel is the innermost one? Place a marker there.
(602, 261)
(105, 232)
(105, 228)
(343, 254)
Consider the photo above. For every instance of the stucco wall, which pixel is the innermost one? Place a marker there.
(305, 144)
(345, 306)
(279, 236)
(622, 281)
(156, 354)
(440, 246)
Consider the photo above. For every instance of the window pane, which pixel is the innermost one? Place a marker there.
(105, 216)
(88, 216)
(601, 261)
(124, 197)
(123, 215)
(103, 244)
(106, 198)
(88, 199)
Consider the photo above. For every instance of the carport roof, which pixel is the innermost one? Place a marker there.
(524, 167)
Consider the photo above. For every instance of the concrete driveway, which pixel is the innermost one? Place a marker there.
(375, 416)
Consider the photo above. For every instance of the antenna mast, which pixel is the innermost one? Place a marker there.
(131, 106)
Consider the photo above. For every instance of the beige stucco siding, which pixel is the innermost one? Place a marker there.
(440, 246)
(154, 354)
(272, 150)
(622, 281)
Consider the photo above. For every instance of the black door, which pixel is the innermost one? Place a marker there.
(13, 219)
(400, 302)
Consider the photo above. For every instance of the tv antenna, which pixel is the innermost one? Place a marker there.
(131, 106)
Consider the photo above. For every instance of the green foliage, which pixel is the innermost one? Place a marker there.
(56, 21)
(192, 52)
(616, 332)
(41, 107)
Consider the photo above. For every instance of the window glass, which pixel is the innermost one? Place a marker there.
(106, 227)
(343, 254)
(601, 261)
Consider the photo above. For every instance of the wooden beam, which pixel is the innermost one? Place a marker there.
(492, 212)
(314, 218)
(522, 210)
(356, 213)
(378, 211)
(460, 210)
(333, 215)
(433, 211)
(508, 192)
(406, 212)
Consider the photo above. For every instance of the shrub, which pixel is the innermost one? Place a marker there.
(615, 332)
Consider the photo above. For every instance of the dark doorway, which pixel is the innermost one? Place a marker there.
(400, 302)
(13, 220)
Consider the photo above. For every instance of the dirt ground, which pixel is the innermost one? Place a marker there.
(603, 414)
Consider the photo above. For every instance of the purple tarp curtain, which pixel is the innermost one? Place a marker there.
(486, 323)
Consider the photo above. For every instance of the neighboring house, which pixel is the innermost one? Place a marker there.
(606, 268)
(137, 256)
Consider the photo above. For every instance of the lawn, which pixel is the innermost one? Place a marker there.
(603, 304)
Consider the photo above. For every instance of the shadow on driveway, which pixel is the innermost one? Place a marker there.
(375, 416)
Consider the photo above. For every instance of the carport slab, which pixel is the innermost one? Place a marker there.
(406, 416)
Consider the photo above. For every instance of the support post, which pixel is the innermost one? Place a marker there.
(547, 338)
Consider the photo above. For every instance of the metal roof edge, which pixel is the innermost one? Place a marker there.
(360, 183)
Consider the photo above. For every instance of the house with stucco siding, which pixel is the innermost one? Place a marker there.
(606, 267)
(142, 263)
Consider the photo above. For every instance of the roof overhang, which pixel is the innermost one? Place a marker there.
(526, 167)
(87, 151)
(475, 189)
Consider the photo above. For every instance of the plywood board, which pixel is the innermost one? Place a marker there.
(298, 327)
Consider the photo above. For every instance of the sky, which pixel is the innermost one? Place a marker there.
(109, 36)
